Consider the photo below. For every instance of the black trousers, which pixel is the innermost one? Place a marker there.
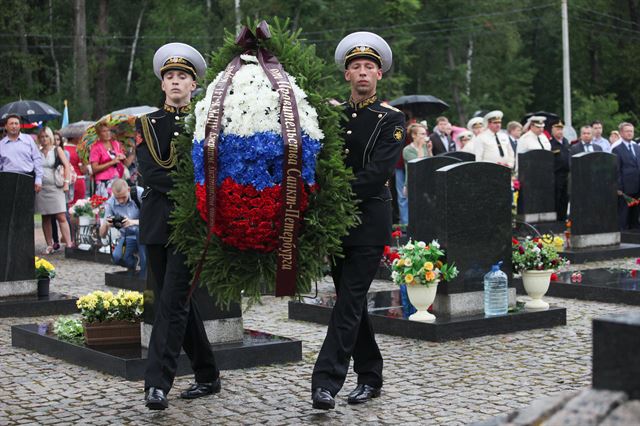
(562, 195)
(350, 333)
(628, 216)
(176, 324)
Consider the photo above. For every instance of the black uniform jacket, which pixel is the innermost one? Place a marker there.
(162, 127)
(561, 155)
(374, 137)
(628, 168)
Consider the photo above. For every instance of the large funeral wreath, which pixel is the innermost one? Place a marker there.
(241, 257)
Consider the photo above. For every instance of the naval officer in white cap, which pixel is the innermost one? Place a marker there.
(176, 324)
(374, 136)
(492, 145)
(534, 138)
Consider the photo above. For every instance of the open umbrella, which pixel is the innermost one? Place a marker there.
(30, 111)
(75, 130)
(136, 110)
(420, 105)
(123, 129)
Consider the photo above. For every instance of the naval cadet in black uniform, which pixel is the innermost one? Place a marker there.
(374, 136)
(561, 166)
(176, 323)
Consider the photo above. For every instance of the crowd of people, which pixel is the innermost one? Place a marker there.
(61, 178)
(488, 141)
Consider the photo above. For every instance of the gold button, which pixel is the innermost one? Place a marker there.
(177, 117)
(175, 133)
(349, 132)
(354, 115)
(379, 115)
(346, 151)
(153, 120)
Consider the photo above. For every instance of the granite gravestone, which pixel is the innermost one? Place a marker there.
(594, 200)
(421, 194)
(221, 325)
(536, 199)
(616, 341)
(17, 275)
(472, 222)
(461, 155)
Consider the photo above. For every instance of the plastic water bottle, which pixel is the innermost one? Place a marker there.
(496, 292)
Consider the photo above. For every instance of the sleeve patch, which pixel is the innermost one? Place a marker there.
(398, 133)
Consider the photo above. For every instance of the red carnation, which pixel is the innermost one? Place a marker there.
(521, 249)
(514, 241)
(634, 273)
(554, 277)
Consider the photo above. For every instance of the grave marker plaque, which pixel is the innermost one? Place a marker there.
(17, 275)
(594, 200)
(536, 201)
(422, 196)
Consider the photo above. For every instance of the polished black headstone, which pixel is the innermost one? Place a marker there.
(616, 343)
(422, 196)
(126, 280)
(16, 227)
(537, 184)
(593, 190)
(472, 221)
(37, 306)
(461, 155)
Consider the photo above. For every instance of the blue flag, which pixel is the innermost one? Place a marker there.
(65, 115)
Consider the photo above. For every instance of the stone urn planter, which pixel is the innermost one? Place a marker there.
(109, 333)
(536, 284)
(86, 220)
(421, 297)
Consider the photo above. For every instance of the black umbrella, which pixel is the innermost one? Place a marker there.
(550, 116)
(420, 105)
(30, 111)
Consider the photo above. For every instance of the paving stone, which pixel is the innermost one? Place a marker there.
(626, 414)
(589, 407)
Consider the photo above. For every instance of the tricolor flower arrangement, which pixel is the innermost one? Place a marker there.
(250, 158)
(421, 264)
(240, 256)
(534, 254)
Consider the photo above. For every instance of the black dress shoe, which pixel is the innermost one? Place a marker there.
(156, 399)
(198, 390)
(363, 393)
(322, 399)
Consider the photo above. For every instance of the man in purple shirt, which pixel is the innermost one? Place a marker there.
(19, 153)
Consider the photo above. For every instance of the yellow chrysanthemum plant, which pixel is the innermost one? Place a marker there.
(44, 268)
(100, 306)
(421, 264)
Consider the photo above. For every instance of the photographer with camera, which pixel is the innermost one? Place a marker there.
(122, 211)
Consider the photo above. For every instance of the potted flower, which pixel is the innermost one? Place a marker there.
(84, 211)
(535, 260)
(111, 319)
(420, 267)
(44, 272)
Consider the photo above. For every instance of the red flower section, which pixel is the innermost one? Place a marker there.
(396, 234)
(554, 277)
(634, 273)
(516, 185)
(514, 241)
(246, 218)
(96, 201)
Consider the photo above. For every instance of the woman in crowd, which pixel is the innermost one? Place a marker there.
(80, 187)
(465, 141)
(50, 201)
(106, 160)
(419, 147)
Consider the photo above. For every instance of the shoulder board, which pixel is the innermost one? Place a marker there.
(386, 105)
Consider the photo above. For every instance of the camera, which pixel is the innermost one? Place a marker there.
(117, 220)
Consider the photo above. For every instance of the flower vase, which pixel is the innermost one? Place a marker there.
(421, 297)
(536, 284)
(109, 333)
(86, 220)
(43, 287)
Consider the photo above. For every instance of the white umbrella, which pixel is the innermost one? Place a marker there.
(75, 130)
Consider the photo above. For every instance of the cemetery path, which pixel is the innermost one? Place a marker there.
(450, 383)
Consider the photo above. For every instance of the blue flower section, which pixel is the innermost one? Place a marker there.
(255, 159)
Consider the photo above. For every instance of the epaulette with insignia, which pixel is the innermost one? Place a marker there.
(386, 105)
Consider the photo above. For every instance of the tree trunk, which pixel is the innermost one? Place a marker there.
(81, 75)
(102, 73)
(56, 65)
(469, 66)
(454, 86)
(134, 44)
(633, 13)
(24, 48)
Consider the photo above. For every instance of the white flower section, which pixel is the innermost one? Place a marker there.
(251, 105)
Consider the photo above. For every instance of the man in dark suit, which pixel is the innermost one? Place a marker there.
(561, 167)
(177, 323)
(441, 141)
(628, 155)
(584, 144)
(374, 135)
